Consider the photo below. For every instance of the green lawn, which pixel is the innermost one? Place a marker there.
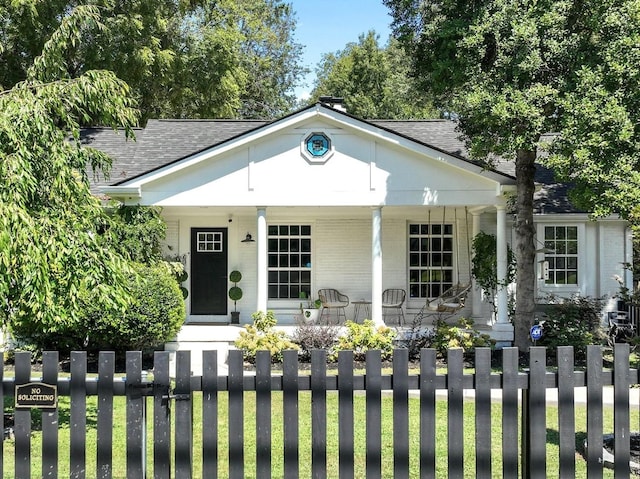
(119, 466)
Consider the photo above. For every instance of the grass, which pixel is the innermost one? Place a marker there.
(119, 437)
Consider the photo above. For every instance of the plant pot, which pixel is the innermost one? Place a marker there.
(310, 315)
(235, 317)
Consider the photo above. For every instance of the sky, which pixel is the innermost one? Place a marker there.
(325, 26)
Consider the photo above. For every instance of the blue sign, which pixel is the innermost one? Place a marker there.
(536, 332)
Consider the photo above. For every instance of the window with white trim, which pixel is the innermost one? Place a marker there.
(430, 259)
(561, 246)
(289, 261)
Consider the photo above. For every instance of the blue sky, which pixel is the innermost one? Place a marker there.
(328, 25)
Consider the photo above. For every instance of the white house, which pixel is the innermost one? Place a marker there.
(333, 201)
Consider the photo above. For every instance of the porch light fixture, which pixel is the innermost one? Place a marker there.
(248, 239)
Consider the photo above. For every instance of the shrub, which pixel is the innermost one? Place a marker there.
(155, 316)
(361, 338)
(261, 336)
(459, 335)
(416, 338)
(309, 337)
(575, 321)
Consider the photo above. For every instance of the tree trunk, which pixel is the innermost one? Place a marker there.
(525, 248)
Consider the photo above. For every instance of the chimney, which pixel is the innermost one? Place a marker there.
(334, 102)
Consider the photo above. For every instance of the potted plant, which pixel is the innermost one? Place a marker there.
(235, 295)
(310, 310)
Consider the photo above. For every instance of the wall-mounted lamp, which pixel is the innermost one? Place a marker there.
(248, 239)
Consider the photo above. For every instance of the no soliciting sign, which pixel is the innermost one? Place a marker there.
(36, 395)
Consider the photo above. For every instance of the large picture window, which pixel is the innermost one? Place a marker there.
(289, 261)
(430, 259)
(561, 242)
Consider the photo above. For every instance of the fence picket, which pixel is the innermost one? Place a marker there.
(510, 451)
(345, 413)
(210, 414)
(622, 447)
(50, 418)
(594, 412)
(373, 386)
(566, 412)
(482, 387)
(236, 415)
(535, 443)
(401, 413)
(136, 420)
(161, 416)
(22, 419)
(106, 370)
(290, 414)
(183, 404)
(427, 413)
(78, 415)
(455, 412)
(318, 414)
(263, 415)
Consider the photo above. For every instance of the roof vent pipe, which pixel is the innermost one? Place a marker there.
(334, 102)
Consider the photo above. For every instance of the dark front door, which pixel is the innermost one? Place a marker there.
(209, 271)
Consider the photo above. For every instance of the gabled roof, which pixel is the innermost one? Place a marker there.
(166, 141)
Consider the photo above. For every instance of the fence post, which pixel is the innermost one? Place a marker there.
(183, 398)
(104, 453)
(290, 414)
(622, 447)
(345, 414)
(78, 415)
(235, 390)
(318, 413)
(161, 416)
(374, 414)
(136, 423)
(510, 453)
(22, 419)
(263, 415)
(210, 414)
(50, 418)
(534, 427)
(594, 412)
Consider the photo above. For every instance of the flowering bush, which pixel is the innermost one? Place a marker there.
(361, 338)
(261, 336)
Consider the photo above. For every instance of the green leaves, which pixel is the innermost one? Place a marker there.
(52, 251)
(374, 81)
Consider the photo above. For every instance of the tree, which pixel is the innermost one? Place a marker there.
(512, 71)
(51, 250)
(229, 58)
(374, 81)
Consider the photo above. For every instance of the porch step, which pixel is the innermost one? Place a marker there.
(203, 337)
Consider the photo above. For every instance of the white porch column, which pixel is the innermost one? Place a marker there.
(476, 304)
(262, 295)
(502, 330)
(376, 266)
(501, 252)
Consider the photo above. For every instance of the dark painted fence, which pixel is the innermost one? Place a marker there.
(523, 434)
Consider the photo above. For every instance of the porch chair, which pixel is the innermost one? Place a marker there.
(333, 299)
(392, 301)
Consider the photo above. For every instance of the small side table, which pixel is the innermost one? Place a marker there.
(361, 304)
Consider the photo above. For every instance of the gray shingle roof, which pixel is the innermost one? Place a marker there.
(164, 141)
